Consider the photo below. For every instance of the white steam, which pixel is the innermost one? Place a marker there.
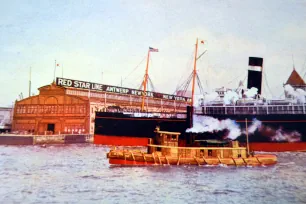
(298, 94)
(197, 100)
(203, 124)
(210, 97)
(279, 136)
(256, 124)
(251, 93)
(290, 90)
(232, 126)
(282, 136)
(230, 97)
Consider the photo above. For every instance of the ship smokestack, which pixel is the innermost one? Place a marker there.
(255, 73)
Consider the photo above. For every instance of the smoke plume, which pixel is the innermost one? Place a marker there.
(298, 94)
(256, 124)
(250, 93)
(230, 97)
(282, 136)
(203, 124)
(210, 97)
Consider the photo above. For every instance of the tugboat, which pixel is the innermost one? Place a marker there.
(164, 150)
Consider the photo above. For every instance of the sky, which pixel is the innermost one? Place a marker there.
(107, 42)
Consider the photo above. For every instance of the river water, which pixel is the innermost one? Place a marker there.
(81, 174)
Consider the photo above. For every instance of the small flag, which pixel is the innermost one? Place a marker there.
(151, 49)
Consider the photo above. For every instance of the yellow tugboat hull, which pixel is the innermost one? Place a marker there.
(137, 158)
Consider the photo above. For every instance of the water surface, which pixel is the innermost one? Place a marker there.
(81, 174)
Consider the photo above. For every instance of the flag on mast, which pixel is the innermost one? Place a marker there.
(151, 49)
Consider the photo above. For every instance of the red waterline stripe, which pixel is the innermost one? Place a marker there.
(278, 147)
(120, 140)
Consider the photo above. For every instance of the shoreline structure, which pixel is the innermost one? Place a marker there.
(28, 139)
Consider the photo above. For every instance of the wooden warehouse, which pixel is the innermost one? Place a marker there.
(68, 106)
(52, 110)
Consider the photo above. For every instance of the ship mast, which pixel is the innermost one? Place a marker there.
(194, 72)
(146, 77)
(145, 82)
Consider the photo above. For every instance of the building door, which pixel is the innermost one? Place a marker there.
(51, 127)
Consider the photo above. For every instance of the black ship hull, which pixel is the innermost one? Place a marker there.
(285, 124)
(127, 130)
(284, 132)
(276, 132)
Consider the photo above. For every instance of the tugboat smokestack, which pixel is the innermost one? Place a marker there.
(189, 116)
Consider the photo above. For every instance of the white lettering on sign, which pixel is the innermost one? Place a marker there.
(76, 84)
(97, 87)
(179, 98)
(115, 89)
(137, 93)
(60, 82)
(169, 97)
(81, 84)
(64, 82)
(141, 93)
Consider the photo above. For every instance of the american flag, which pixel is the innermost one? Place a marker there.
(151, 49)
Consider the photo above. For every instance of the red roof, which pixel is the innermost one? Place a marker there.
(295, 79)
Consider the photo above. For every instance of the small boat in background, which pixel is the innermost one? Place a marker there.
(164, 149)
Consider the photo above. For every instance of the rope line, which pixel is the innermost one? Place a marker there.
(133, 69)
(265, 77)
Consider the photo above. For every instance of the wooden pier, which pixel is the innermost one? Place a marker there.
(14, 139)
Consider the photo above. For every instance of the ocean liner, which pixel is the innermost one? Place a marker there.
(274, 125)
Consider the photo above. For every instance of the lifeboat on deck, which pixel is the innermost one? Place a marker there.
(167, 152)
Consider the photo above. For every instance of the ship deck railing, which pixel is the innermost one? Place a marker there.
(187, 152)
(252, 109)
